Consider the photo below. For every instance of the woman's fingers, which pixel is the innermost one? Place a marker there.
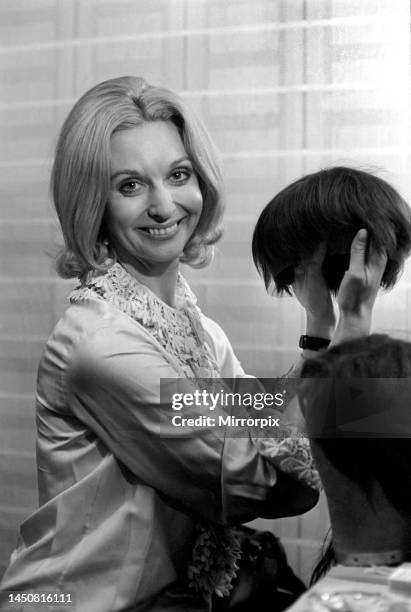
(360, 284)
(377, 261)
(370, 268)
(311, 291)
(358, 253)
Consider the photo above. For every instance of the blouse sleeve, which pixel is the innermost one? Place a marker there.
(228, 364)
(113, 387)
(290, 454)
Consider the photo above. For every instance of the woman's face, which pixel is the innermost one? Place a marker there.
(155, 201)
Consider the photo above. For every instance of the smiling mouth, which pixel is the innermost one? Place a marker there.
(162, 231)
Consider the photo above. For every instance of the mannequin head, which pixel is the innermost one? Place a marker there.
(366, 475)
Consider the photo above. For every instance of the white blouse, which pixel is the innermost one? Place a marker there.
(123, 505)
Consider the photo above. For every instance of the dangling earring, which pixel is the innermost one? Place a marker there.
(109, 257)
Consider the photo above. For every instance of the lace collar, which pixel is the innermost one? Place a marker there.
(179, 330)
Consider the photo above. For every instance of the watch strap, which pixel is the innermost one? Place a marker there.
(312, 343)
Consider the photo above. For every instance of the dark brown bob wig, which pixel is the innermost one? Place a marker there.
(330, 205)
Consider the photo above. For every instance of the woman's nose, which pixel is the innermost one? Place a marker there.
(161, 205)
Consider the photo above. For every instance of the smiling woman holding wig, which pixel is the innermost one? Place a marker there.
(137, 188)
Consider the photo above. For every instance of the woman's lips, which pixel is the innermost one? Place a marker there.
(159, 231)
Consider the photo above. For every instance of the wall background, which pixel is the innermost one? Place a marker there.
(285, 86)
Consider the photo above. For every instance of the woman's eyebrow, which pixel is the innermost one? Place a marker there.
(125, 171)
(132, 172)
(180, 160)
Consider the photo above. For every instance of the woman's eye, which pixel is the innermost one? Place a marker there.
(181, 175)
(130, 188)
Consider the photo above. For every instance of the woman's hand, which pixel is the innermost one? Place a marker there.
(358, 290)
(313, 294)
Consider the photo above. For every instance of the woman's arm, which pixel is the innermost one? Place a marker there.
(114, 387)
(311, 291)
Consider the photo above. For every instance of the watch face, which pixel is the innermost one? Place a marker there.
(303, 342)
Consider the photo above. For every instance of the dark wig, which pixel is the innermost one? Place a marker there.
(330, 205)
(386, 457)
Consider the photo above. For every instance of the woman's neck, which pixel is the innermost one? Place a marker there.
(161, 280)
(363, 519)
(368, 525)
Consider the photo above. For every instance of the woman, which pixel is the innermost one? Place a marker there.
(124, 508)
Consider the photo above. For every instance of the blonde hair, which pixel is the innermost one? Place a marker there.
(80, 178)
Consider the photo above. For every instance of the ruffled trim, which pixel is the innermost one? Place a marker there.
(179, 330)
(293, 456)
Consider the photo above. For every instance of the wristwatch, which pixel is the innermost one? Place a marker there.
(312, 343)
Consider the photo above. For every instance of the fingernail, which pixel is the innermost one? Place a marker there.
(362, 234)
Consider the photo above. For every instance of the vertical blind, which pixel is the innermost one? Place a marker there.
(285, 87)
